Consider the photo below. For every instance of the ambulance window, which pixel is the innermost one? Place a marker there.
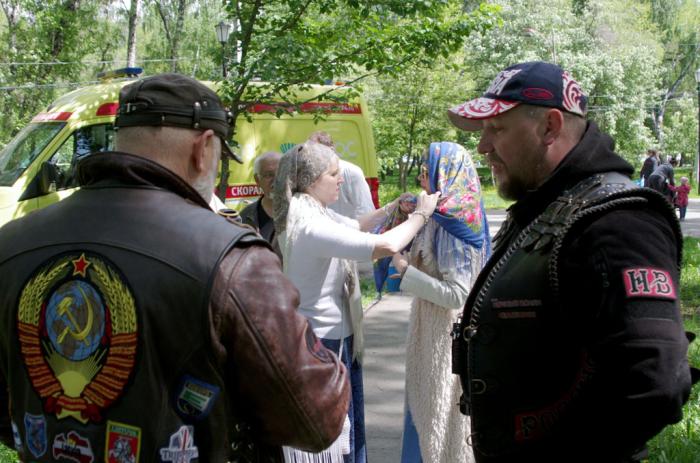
(84, 141)
(24, 148)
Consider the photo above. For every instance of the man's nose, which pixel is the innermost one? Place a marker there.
(485, 146)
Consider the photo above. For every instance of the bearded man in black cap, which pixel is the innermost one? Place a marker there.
(136, 323)
(571, 345)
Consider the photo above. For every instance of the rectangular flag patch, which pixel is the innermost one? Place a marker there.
(648, 282)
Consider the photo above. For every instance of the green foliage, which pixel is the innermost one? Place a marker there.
(602, 43)
(42, 31)
(289, 42)
(409, 114)
(681, 130)
(8, 455)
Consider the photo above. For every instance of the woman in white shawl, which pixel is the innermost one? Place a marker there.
(443, 263)
(319, 251)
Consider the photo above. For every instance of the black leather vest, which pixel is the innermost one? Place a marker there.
(522, 369)
(105, 318)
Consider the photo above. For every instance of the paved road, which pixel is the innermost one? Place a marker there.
(386, 325)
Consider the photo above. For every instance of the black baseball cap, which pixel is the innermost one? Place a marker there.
(535, 83)
(175, 100)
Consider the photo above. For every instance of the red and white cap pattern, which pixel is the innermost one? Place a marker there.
(482, 108)
(573, 95)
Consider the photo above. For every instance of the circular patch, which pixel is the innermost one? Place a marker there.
(75, 319)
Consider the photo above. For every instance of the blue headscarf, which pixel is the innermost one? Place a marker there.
(460, 211)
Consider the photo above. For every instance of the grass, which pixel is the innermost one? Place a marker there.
(680, 443)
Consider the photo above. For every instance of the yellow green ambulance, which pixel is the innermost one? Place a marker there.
(37, 167)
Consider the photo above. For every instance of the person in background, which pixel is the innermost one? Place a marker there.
(649, 166)
(319, 249)
(442, 265)
(661, 179)
(681, 200)
(144, 324)
(571, 346)
(259, 213)
(355, 199)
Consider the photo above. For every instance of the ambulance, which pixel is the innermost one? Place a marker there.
(38, 166)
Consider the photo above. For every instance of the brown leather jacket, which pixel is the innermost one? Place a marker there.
(214, 350)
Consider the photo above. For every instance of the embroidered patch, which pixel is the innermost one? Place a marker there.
(77, 330)
(181, 448)
(195, 398)
(516, 308)
(73, 447)
(123, 443)
(17, 438)
(35, 429)
(648, 282)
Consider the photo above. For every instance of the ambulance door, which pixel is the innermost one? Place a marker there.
(85, 141)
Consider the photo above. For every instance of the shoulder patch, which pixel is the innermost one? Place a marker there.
(195, 398)
(72, 447)
(648, 282)
(181, 448)
(123, 443)
(35, 430)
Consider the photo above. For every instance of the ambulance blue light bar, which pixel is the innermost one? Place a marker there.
(122, 72)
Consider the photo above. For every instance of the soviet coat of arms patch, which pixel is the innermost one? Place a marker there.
(78, 330)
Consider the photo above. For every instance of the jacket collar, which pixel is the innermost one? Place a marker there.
(114, 169)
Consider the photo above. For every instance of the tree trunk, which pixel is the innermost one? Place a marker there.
(177, 33)
(134, 15)
(70, 6)
(404, 165)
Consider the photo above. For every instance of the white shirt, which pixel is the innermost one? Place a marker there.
(314, 266)
(355, 199)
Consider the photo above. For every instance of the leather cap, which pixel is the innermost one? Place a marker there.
(175, 100)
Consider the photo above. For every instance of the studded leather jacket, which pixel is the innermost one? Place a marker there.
(133, 327)
(572, 346)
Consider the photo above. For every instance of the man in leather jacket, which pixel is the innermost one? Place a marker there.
(259, 213)
(571, 346)
(136, 324)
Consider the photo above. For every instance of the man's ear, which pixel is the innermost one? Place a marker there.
(200, 145)
(554, 123)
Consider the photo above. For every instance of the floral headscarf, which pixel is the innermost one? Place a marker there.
(460, 211)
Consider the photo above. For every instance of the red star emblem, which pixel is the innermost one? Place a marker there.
(80, 265)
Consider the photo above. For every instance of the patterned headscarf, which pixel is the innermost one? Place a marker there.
(460, 211)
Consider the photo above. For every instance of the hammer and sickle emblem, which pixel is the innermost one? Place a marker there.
(76, 333)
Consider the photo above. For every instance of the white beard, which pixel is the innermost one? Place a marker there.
(206, 182)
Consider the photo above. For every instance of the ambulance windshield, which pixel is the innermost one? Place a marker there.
(24, 148)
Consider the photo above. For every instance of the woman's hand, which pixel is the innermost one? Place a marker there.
(400, 263)
(426, 203)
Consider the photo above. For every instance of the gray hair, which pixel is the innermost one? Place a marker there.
(267, 155)
(299, 168)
